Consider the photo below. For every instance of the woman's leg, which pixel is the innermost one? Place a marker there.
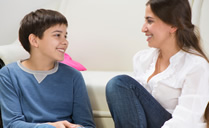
(132, 106)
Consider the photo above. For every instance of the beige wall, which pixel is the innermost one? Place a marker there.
(103, 34)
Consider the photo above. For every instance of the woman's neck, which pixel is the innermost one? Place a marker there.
(167, 53)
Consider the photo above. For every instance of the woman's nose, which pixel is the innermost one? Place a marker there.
(144, 28)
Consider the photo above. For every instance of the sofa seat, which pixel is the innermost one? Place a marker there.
(95, 82)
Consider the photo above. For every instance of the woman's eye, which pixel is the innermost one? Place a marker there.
(149, 21)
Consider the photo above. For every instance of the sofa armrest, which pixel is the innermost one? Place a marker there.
(12, 52)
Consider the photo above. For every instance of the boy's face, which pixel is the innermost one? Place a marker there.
(54, 43)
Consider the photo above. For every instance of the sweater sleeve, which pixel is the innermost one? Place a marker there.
(12, 115)
(194, 98)
(82, 112)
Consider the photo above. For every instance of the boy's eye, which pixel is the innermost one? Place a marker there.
(57, 35)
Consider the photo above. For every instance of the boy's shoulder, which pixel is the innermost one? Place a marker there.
(67, 71)
(67, 68)
(9, 69)
(10, 66)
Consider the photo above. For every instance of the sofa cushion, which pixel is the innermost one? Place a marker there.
(72, 63)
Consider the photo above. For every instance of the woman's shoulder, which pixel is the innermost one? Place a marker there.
(145, 54)
(195, 61)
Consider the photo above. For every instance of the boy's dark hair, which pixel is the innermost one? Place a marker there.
(37, 23)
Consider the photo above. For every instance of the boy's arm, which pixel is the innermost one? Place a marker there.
(12, 115)
(82, 111)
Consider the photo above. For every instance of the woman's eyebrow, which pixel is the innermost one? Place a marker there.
(148, 17)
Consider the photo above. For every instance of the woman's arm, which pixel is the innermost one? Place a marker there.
(194, 98)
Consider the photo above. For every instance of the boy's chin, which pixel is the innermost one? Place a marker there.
(60, 59)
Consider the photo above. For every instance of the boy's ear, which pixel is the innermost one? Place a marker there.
(173, 29)
(33, 40)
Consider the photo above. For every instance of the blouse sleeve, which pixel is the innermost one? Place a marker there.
(194, 98)
(12, 115)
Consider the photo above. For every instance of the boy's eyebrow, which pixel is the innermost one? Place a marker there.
(58, 31)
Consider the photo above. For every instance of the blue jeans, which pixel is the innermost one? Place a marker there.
(132, 106)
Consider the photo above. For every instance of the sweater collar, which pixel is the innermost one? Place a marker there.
(39, 75)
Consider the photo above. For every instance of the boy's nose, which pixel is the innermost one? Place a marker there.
(65, 42)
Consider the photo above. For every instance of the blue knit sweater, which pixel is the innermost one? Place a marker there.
(29, 98)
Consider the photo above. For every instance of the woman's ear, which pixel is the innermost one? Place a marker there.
(33, 40)
(173, 29)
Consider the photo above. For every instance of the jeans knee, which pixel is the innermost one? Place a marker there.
(113, 88)
(115, 82)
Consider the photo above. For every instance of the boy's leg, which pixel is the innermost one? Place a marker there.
(132, 106)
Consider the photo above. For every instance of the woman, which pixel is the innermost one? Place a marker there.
(170, 87)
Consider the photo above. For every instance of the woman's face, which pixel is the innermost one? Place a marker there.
(157, 32)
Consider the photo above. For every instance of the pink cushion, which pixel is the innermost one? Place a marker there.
(68, 61)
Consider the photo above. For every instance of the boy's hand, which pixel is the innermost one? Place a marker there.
(64, 124)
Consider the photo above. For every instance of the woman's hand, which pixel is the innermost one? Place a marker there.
(64, 124)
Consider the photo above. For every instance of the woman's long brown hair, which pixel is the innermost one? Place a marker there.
(207, 115)
(178, 13)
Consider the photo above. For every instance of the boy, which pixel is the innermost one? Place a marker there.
(40, 92)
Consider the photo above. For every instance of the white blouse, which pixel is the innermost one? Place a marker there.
(182, 89)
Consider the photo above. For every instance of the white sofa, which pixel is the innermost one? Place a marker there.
(104, 36)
